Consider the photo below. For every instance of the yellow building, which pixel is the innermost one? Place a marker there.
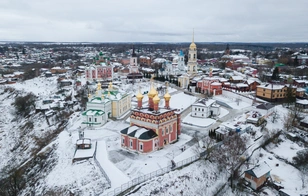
(120, 101)
(273, 92)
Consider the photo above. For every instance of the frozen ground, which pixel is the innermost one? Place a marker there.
(231, 102)
(200, 122)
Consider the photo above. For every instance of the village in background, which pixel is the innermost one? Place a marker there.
(153, 119)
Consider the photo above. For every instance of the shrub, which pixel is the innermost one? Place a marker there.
(24, 104)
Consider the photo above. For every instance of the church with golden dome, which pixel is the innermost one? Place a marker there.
(105, 104)
(151, 127)
(192, 58)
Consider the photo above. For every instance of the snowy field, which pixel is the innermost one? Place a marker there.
(200, 122)
(231, 102)
(282, 173)
(40, 86)
(181, 101)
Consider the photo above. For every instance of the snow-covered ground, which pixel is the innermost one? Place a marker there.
(200, 122)
(231, 102)
(181, 101)
(40, 86)
(85, 178)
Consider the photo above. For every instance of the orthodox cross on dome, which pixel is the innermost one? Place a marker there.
(167, 85)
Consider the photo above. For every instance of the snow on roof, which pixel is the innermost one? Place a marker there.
(272, 86)
(140, 131)
(205, 102)
(216, 83)
(131, 129)
(250, 81)
(302, 102)
(93, 112)
(237, 78)
(261, 169)
(241, 85)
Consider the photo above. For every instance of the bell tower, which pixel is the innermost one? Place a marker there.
(192, 58)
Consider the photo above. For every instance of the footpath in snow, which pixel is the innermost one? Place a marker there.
(116, 176)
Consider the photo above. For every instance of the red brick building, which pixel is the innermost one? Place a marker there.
(151, 128)
(210, 86)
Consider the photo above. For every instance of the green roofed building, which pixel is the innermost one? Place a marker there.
(105, 104)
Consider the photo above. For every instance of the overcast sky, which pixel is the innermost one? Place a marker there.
(154, 20)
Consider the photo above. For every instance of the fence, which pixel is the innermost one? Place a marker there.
(100, 167)
(140, 179)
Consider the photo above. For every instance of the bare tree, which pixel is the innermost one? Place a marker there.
(275, 115)
(303, 174)
(205, 146)
(228, 156)
(288, 121)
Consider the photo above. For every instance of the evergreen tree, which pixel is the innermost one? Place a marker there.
(290, 97)
(275, 75)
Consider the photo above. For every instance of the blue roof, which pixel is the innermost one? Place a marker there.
(181, 53)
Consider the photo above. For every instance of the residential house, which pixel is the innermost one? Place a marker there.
(252, 84)
(258, 175)
(273, 92)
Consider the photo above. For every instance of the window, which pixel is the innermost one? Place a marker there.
(195, 113)
(166, 130)
(90, 119)
(202, 110)
(263, 89)
(131, 143)
(199, 109)
(194, 56)
(162, 132)
(95, 119)
(141, 146)
(263, 94)
(123, 140)
(202, 114)
(195, 109)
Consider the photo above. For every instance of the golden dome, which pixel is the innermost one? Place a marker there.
(167, 96)
(152, 92)
(156, 99)
(99, 86)
(110, 86)
(193, 46)
(139, 96)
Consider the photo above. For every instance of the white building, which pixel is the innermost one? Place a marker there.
(205, 108)
(98, 109)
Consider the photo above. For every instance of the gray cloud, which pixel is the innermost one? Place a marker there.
(153, 20)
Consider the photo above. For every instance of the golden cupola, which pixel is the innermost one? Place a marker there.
(156, 99)
(139, 96)
(99, 86)
(152, 92)
(167, 96)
